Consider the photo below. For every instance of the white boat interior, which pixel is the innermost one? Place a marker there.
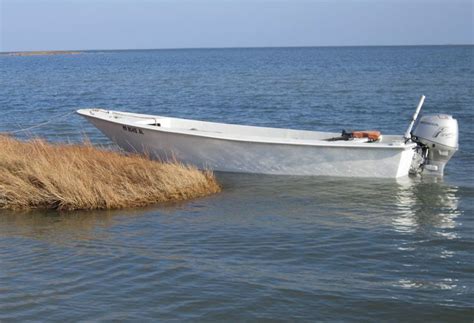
(241, 132)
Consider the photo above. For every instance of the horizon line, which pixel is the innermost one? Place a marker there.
(229, 47)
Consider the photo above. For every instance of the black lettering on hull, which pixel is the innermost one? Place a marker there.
(132, 129)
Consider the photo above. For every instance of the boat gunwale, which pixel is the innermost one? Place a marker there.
(217, 136)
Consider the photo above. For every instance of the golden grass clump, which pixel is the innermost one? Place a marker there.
(37, 174)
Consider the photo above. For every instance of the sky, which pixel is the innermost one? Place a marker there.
(149, 24)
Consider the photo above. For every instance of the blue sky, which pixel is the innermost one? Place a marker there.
(127, 24)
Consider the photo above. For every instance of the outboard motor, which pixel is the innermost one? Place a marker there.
(437, 137)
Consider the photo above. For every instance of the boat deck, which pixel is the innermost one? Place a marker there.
(237, 132)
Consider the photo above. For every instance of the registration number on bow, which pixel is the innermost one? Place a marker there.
(132, 129)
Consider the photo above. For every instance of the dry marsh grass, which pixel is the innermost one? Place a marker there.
(37, 174)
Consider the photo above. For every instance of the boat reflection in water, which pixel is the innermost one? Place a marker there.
(426, 205)
(427, 217)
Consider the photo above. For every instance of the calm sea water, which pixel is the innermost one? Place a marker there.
(267, 247)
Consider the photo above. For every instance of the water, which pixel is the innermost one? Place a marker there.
(267, 247)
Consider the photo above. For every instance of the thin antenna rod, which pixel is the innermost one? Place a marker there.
(415, 116)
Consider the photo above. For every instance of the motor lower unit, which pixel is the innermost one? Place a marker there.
(437, 138)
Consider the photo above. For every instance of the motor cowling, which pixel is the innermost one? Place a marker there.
(438, 137)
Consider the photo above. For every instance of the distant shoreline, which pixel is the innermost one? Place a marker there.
(82, 51)
(42, 53)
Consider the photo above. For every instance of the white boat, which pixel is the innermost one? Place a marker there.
(249, 149)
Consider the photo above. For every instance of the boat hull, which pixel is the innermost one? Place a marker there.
(258, 157)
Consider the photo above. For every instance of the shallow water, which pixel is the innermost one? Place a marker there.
(267, 247)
